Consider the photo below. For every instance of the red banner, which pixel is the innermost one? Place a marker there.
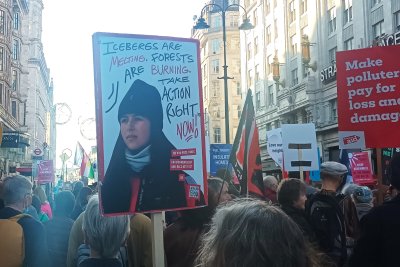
(368, 82)
(45, 171)
(361, 170)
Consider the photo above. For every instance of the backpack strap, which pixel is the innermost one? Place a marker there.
(333, 201)
(16, 218)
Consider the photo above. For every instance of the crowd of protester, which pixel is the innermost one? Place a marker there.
(68, 229)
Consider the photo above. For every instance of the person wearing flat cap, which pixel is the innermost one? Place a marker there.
(333, 177)
(138, 177)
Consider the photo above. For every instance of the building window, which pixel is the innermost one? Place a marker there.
(292, 12)
(269, 64)
(3, 25)
(276, 28)
(215, 46)
(255, 46)
(255, 18)
(234, 21)
(215, 66)
(217, 135)
(218, 113)
(332, 54)
(332, 20)
(268, 35)
(205, 92)
(258, 100)
(251, 77)
(305, 71)
(333, 109)
(2, 94)
(205, 71)
(348, 11)
(2, 58)
(239, 111)
(215, 88)
(257, 77)
(303, 6)
(271, 95)
(375, 2)
(14, 80)
(293, 45)
(216, 21)
(267, 6)
(377, 29)
(238, 89)
(295, 78)
(15, 53)
(348, 44)
(16, 21)
(14, 108)
(249, 51)
(396, 19)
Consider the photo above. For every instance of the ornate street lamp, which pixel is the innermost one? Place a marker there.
(202, 24)
(276, 75)
(305, 53)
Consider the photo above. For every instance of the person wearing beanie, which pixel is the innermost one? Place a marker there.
(362, 197)
(138, 177)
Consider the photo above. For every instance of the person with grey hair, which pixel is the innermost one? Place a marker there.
(252, 233)
(104, 235)
(271, 187)
(17, 194)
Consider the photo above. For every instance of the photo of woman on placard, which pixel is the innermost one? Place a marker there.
(138, 177)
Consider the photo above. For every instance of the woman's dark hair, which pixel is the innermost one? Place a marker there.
(36, 203)
(83, 195)
(77, 188)
(251, 233)
(395, 171)
(289, 191)
(65, 202)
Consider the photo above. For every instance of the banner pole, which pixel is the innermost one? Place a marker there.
(157, 234)
(381, 188)
(300, 166)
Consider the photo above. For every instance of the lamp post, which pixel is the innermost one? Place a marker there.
(202, 24)
(305, 52)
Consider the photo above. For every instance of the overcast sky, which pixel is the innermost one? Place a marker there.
(67, 31)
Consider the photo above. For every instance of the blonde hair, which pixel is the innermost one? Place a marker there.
(39, 192)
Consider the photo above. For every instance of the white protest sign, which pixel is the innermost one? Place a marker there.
(150, 125)
(274, 145)
(299, 147)
(351, 140)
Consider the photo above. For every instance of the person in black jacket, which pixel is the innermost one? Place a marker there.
(138, 177)
(292, 197)
(380, 231)
(59, 228)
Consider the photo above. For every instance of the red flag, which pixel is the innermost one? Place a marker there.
(245, 156)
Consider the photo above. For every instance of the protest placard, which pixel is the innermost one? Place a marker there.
(219, 157)
(299, 147)
(150, 128)
(45, 171)
(274, 145)
(369, 94)
(361, 170)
